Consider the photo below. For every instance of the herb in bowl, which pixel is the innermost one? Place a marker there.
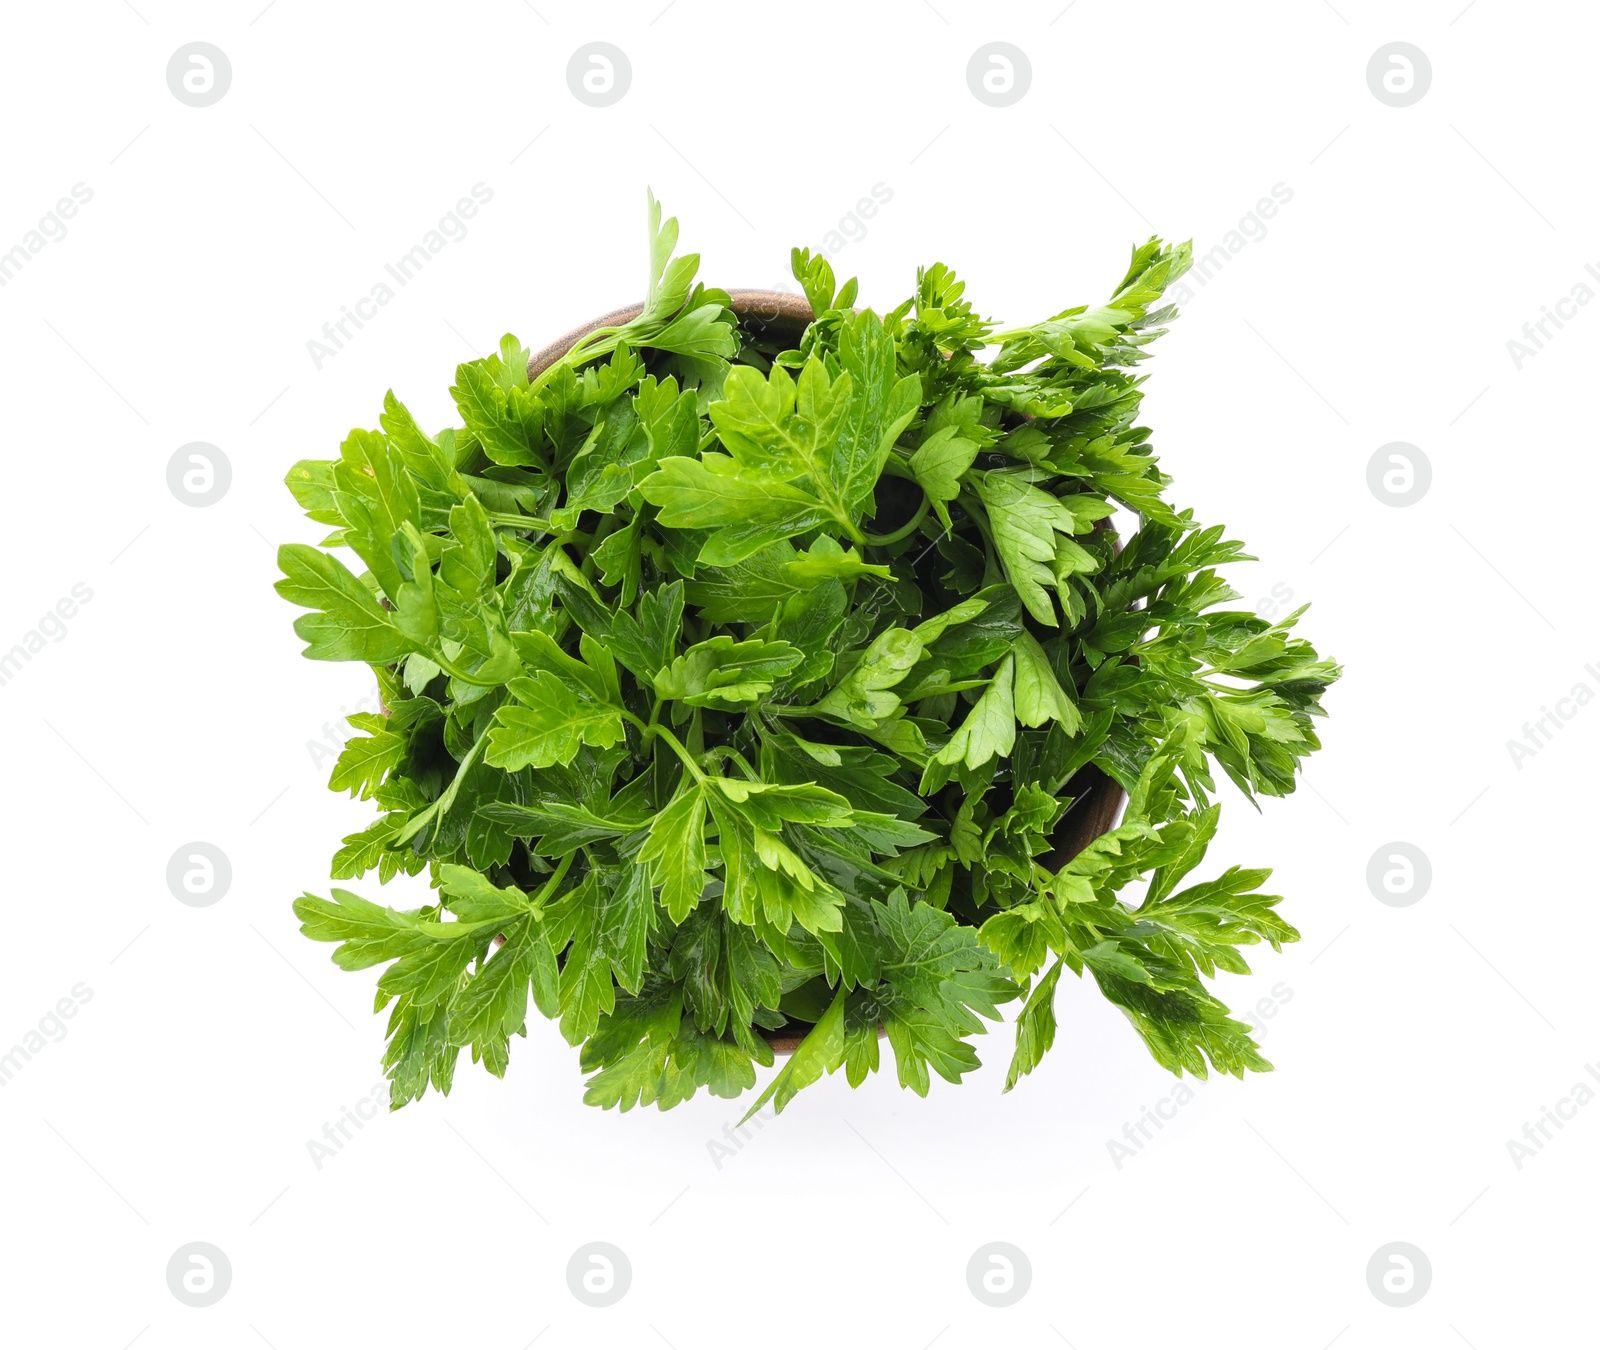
(751, 680)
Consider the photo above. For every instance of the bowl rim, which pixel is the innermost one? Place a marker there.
(755, 308)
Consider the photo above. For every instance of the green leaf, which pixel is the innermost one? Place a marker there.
(419, 1052)
(1024, 520)
(764, 879)
(547, 724)
(610, 463)
(676, 850)
(860, 1038)
(506, 420)
(1109, 958)
(1205, 924)
(698, 331)
(938, 964)
(653, 1055)
(882, 403)
(722, 673)
(367, 933)
(671, 319)
(938, 465)
(746, 509)
(770, 805)
(365, 760)
(625, 917)
(859, 774)
(423, 457)
(348, 623)
(430, 972)
(558, 826)
(829, 435)
(1036, 1027)
(825, 560)
(1037, 694)
(1024, 935)
(375, 496)
(862, 698)
(669, 280)
(781, 426)
(821, 1052)
(815, 276)
(475, 899)
(311, 481)
(646, 644)
(366, 849)
(774, 575)
(594, 677)
(990, 728)
(493, 1004)
(1184, 1027)
(611, 925)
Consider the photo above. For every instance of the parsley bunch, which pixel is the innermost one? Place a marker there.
(741, 681)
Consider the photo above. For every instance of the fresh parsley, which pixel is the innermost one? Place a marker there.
(736, 685)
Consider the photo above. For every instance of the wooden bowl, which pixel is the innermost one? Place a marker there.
(1097, 797)
(758, 311)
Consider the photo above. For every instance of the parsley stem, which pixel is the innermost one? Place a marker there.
(586, 348)
(979, 517)
(537, 902)
(856, 537)
(442, 803)
(653, 728)
(744, 764)
(520, 522)
(895, 536)
(456, 673)
(899, 464)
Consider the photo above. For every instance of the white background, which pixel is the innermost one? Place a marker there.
(1412, 1042)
